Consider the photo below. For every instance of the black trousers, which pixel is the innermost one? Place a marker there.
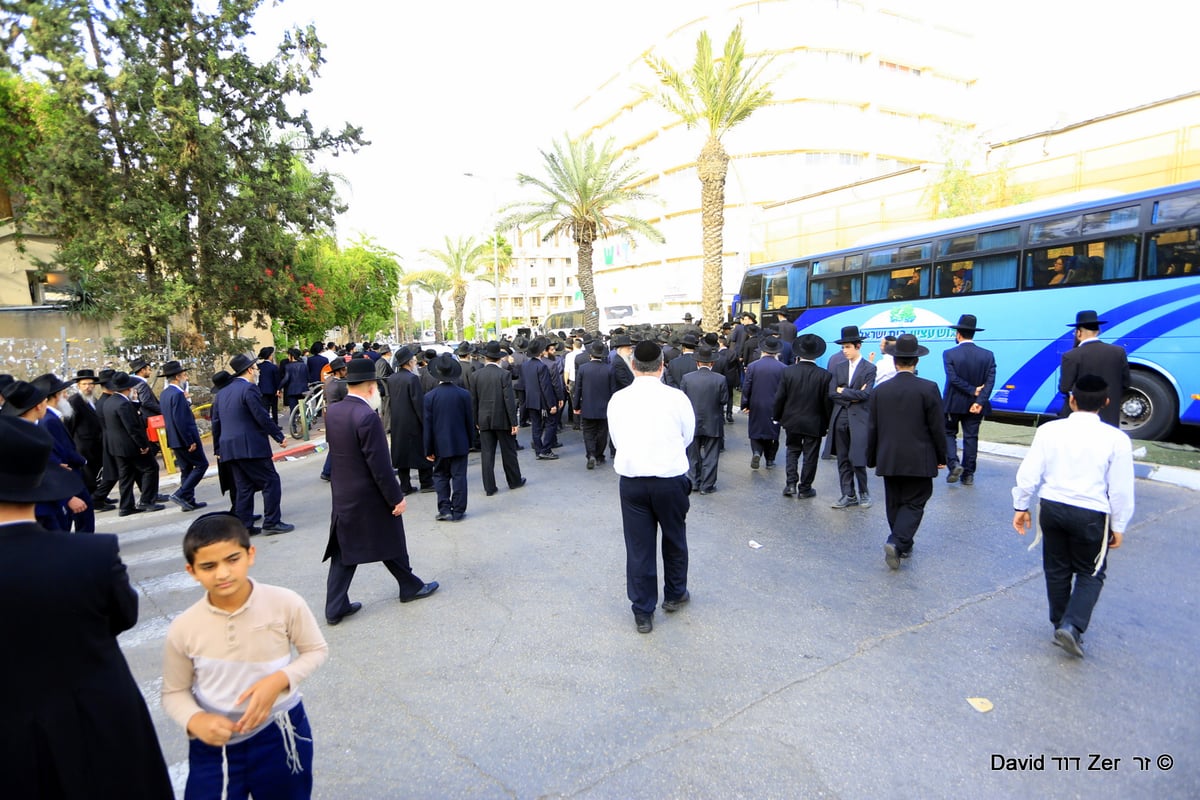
(904, 499)
(648, 504)
(131, 471)
(1074, 547)
(271, 403)
(450, 481)
(595, 437)
(522, 411)
(801, 445)
(252, 475)
(110, 474)
(424, 478)
(337, 583)
(768, 448)
(545, 430)
(192, 467)
(970, 439)
(488, 440)
(703, 455)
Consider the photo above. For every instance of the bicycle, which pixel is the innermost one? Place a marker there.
(311, 407)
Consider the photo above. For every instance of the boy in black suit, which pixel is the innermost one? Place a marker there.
(906, 442)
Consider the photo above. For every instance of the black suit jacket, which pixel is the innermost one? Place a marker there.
(906, 429)
(709, 393)
(1108, 361)
(406, 406)
(595, 382)
(86, 430)
(493, 399)
(73, 712)
(968, 365)
(681, 365)
(802, 402)
(124, 434)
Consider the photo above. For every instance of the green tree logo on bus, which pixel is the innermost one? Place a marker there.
(904, 313)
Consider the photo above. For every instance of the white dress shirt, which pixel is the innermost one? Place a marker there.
(651, 425)
(1083, 462)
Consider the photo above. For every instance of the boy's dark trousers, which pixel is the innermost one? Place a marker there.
(258, 767)
(595, 437)
(192, 466)
(801, 474)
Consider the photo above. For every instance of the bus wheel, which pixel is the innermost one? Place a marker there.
(1148, 408)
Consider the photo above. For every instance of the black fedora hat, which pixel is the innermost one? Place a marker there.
(121, 381)
(172, 368)
(105, 376)
(220, 380)
(85, 375)
(597, 349)
(19, 397)
(240, 363)
(493, 350)
(138, 364)
(1087, 319)
(966, 323)
(689, 340)
(402, 357)
(341, 365)
(906, 347)
(26, 475)
(769, 345)
(266, 352)
(704, 354)
(621, 340)
(850, 335)
(51, 383)
(359, 370)
(537, 346)
(445, 367)
(809, 347)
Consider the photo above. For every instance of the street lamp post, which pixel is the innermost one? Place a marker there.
(495, 252)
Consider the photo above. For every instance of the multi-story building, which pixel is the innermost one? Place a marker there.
(859, 90)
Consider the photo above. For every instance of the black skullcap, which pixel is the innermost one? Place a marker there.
(1091, 383)
(646, 351)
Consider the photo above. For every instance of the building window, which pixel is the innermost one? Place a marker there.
(550, 281)
(533, 282)
(518, 302)
(536, 302)
(554, 301)
(516, 281)
(570, 280)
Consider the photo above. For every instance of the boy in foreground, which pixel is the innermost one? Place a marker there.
(228, 673)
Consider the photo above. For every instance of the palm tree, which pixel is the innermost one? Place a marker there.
(583, 189)
(463, 260)
(433, 282)
(717, 94)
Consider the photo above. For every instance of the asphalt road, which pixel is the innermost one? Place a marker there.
(802, 668)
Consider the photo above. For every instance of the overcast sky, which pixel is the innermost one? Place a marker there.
(444, 87)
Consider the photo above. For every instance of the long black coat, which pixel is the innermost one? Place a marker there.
(75, 723)
(852, 403)
(1108, 361)
(802, 403)
(406, 407)
(124, 433)
(758, 395)
(709, 393)
(365, 489)
(906, 429)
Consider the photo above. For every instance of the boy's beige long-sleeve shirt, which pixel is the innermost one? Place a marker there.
(212, 656)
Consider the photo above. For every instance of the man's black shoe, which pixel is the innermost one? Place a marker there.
(278, 527)
(547, 456)
(789, 490)
(968, 480)
(427, 489)
(125, 512)
(442, 517)
(1067, 637)
(256, 518)
(519, 485)
(408, 489)
(954, 474)
(350, 611)
(864, 500)
(490, 492)
(671, 606)
(520, 446)
(325, 477)
(755, 460)
(182, 503)
(591, 462)
(422, 593)
(845, 501)
(770, 464)
(161, 498)
(152, 507)
(254, 530)
(805, 494)
(457, 517)
(555, 445)
(644, 622)
(891, 556)
(105, 505)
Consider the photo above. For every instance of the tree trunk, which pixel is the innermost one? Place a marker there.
(408, 298)
(437, 318)
(585, 235)
(711, 169)
(460, 302)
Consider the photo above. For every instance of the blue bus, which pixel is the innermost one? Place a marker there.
(1024, 271)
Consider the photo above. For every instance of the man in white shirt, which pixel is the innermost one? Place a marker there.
(1085, 470)
(652, 425)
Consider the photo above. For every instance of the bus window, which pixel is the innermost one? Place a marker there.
(899, 284)
(983, 274)
(775, 290)
(1177, 209)
(826, 265)
(752, 294)
(835, 292)
(1172, 254)
(1088, 262)
(798, 285)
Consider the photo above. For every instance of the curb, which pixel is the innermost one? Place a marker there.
(307, 448)
(1175, 476)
